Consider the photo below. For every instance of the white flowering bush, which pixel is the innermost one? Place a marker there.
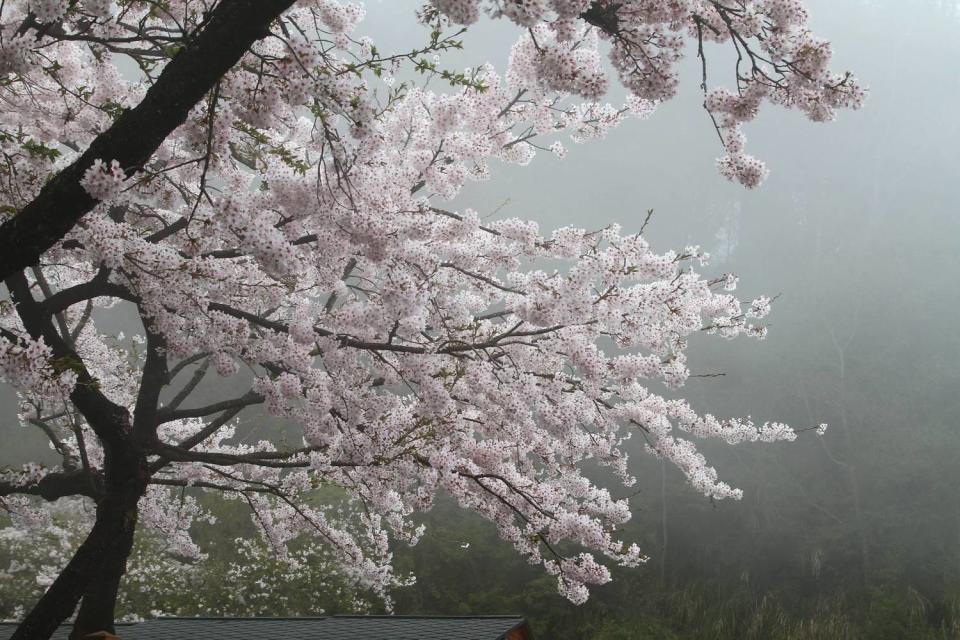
(240, 576)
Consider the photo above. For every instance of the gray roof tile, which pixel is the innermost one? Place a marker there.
(329, 628)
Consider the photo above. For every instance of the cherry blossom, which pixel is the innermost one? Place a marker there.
(103, 181)
(779, 59)
(292, 237)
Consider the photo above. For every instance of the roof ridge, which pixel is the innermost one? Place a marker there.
(503, 616)
(495, 616)
(237, 618)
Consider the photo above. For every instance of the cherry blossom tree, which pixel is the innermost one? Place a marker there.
(253, 179)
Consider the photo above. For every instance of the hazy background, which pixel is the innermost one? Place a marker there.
(857, 230)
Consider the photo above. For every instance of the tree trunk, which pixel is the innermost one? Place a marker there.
(94, 571)
(99, 602)
(98, 606)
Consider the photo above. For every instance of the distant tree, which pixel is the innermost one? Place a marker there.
(263, 190)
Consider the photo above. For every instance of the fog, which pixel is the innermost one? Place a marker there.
(857, 230)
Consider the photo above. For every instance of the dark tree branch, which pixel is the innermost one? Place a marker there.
(188, 388)
(59, 484)
(105, 417)
(200, 484)
(183, 364)
(152, 381)
(47, 293)
(262, 459)
(246, 400)
(82, 322)
(232, 27)
(252, 318)
(189, 443)
(98, 287)
(347, 341)
(69, 463)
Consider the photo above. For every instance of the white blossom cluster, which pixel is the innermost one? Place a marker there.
(781, 61)
(103, 181)
(26, 364)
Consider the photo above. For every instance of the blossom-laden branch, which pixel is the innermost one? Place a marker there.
(778, 59)
(203, 57)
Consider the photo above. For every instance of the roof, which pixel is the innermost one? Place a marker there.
(326, 628)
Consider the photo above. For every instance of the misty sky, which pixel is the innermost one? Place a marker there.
(856, 228)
